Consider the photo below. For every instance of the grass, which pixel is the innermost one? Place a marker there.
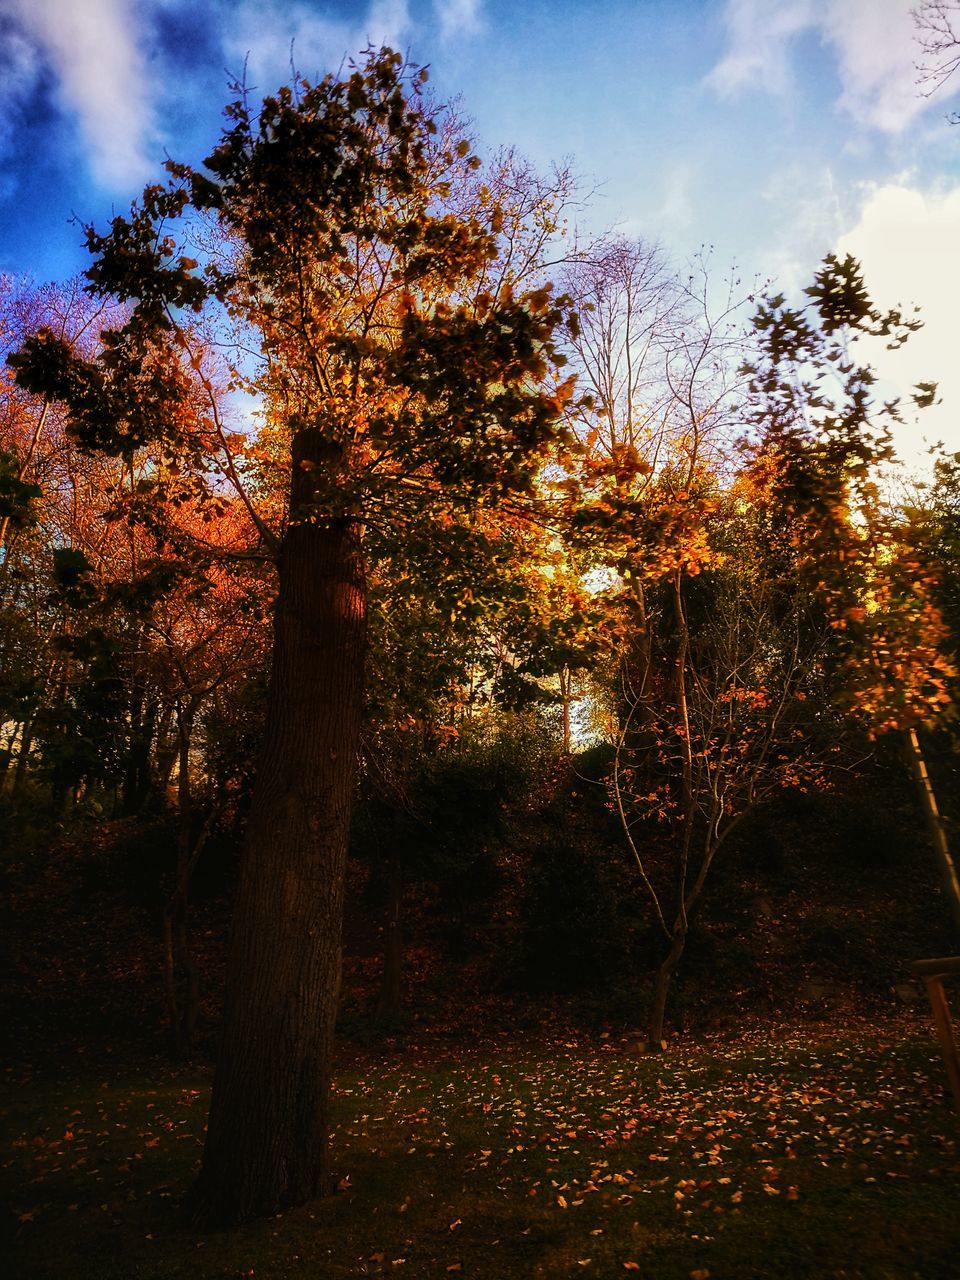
(774, 1157)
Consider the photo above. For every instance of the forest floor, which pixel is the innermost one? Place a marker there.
(808, 1151)
(797, 1128)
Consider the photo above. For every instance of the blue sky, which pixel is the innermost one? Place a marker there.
(773, 130)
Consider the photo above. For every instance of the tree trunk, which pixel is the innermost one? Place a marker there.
(565, 700)
(266, 1140)
(165, 755)
(136, 776)
(23, 756)
(389, 1003)
(181, 975)
(661, 989)
(6, 752)
(935, 828)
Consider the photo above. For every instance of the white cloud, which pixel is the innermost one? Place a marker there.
(387, 22)
(873, 41)
(806, 227)
(677, 208)
(905, 240)
(263, 33)
(458, 18)
(91, 48)
(760, 33)
(19, 62)
(19, 71)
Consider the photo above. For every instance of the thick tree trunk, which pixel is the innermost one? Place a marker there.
(266, 1140)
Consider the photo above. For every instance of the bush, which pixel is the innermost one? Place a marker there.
(572, 935)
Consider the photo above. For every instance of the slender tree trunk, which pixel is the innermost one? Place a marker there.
(165, 753)
(6, 752)
(136, 777)
(390, 1000)
(266, 1140)
(661, 989)
(181, 975)
(23, 756)
(935, 827)
(565, 699)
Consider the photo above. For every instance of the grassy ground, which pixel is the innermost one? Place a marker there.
(783, 1155)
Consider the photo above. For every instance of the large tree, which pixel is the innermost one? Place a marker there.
(349, 278)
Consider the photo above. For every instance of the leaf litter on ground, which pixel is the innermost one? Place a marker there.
(553, 1159)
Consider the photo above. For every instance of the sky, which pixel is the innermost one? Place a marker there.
(771, 131)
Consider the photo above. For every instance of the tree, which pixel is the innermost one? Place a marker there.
(726, 711)
(822, 438)
(939, 37)
(661, 360)
(631, 309)
(771, 605)
(406, 390)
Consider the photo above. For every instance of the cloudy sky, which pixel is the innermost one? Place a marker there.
(772, 130)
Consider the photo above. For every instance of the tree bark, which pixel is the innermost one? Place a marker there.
(661, 989)
(266, 1140)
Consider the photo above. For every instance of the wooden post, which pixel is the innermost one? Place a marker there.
(933, 973)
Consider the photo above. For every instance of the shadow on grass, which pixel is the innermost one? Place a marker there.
(786, 1160)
